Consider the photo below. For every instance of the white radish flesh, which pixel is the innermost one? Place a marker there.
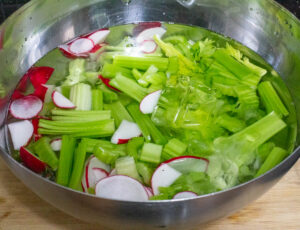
(61, 101)
(148, 46)
(149, 102)
(81, 45)
(21, 133)
(121, 188)
(99, 36)
(26, 107)
(163, 176)
(126, 130)
(148, 34)
(186, 194)
(56, 145)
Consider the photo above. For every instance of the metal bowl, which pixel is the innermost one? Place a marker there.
(39, 26)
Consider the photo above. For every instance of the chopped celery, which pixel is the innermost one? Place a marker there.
(173, 65)
(43, 149)
(97, 99)
(203, 49)
(108, 95)
(149, 130)
(141, 63)
(81, 96)
(91, 77)
(232, 124)
(111, 70)
(126, 166)
(118, 112)
(78, 166)
(271, 100)
(106, 155)
(76, 72)
(264, 150)
(274, 158)
(174, 148)
(146, 171)
(129, 87)
(91, 144)
(65, 160)
(137, 74)
(151, 153)
(143, 81)
(134, 145)
(80, 116)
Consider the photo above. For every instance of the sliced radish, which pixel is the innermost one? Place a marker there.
(48, 94)
(26, 107)
(148, 34)
(113, 172)
(149, 191)
(186, 164)
(121, 188)
(126, 130)
(95, 170)
(99, 36)
(61, 101)
(31, 161)
(35, 123)
(106, 82)
(1, 38)
(81, 45)
(65, 51)
(39, 75)
(149, 102)
(163, 176)
(16, 95)
(56, 144)
(21, 133)
(143, 26)
(148, 46)
(123, 141)
(40, 92)
(186, 194)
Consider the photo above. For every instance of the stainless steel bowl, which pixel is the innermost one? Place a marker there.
(39, 26)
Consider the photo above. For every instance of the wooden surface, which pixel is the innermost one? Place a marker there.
(22, 209)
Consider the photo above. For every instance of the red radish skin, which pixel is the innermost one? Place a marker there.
(39, 75)
(143, 26)
(26, 107)
(121, 187)
(1, 38)
(65, 51)
(32, 162)
(61, 101)
(40, 92)
(35, 123)
(148, 46)
(16, 95)
(56, 144)
(126, 131)
(149, 191)
(148, 34)
(184, 195)
(106, 82)
(21, 133)
(81, 46)
(149, 102)
(123, 141)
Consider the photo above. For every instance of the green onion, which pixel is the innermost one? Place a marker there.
(97, 99)
(151, 153)
(81, 96)
(126, 166)
(119, 112)
(174, 148)
(44, 151)
(65, 160)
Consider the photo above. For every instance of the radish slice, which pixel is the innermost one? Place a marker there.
(149, 191)
(16, 95)
(81, 45)
(39, 75)
(148, 46)
(26, 107)
(65, 51)
(148, 34)
(149, 102)
(121, 188)
(40, 92)
(143, 26)
(95, 170)
(126, 130)
(163, 176)
(106, 82)
(186, 194)
(35, 123)
(31, 161)
(113, 172)
(56, 144)
(99, 36)
(61, 101)
(21, 133)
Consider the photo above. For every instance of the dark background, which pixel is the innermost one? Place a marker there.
(7, 7)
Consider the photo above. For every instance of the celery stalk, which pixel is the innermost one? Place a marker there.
(44, 151)
(134, 145)
(65, 160)
(232, 124)
(143, 81)
(73, 116)
(174, 148)
(137, 74)
(106, 155)
(274, 158)
(119, 112)
(271, 100)
(108, 95)
(151, 153)
(111, 70)
(146, 171)
(81, 96)
(126, 166)
(91, 144)
(78, 166)
(97, 99)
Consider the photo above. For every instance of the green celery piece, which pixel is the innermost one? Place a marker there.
(174, 39)
(119, 112)
(97, 99)
(173, 65)
(129, 87)
(44, 151)
(47, 107)
(106, 145)
(81, 96)
(76, 72)
(111, 70)
(125, 100)
(271, 100)
(65, 90)
(91, 77)
(174, 148)
(274, 158)
(149, 130)
(108, 95)
(203, 49)
(146, 171)
(151, 153)
(106, 155)
(78, 166)
(185, 49)
(152, 88)
(232, 124)
(264, 150)
(76, 113)
(143, 81)
(65, 160)
(241, 144)
(126, 166)
(134, 145)
(136, 74)
(141, 63)
(247, 96)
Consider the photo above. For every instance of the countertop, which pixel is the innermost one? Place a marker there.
(21, 209)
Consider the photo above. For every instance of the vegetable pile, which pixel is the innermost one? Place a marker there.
(156, 116)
